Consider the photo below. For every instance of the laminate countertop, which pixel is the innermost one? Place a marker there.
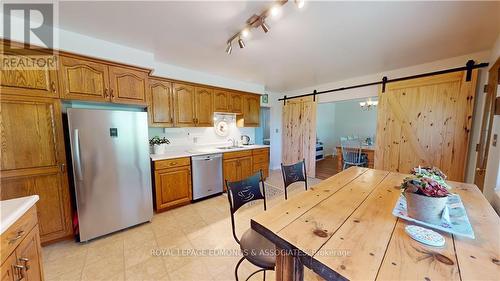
(178, 153)
(11, 210)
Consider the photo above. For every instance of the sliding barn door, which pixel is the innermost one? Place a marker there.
(426, 121)
(299, 133)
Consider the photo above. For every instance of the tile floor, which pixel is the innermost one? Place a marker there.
(152, 251)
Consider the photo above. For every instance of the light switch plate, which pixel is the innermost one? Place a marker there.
(495, 138)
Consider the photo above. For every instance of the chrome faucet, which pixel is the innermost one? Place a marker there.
(232, 142)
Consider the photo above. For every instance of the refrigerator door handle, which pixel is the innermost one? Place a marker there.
(78, 160)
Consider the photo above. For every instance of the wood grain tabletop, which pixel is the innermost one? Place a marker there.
(343, 229)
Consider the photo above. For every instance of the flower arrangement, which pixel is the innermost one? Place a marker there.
(156, 140)
(433, 173)
(424, 186)
(426, 198)
(159, 144)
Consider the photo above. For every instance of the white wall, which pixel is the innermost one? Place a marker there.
(275, 125)
(492, 178)
(372, 91)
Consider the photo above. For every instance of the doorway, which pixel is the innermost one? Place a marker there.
(342, 119)
(263, 132)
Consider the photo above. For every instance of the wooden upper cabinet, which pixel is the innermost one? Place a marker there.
(160, 108)
(23, 146)
(221, 101)
(128, 86)
(83, 80)
(251, 110)
(29, 82)
(236, 103)
(184, 112)
(203, 105)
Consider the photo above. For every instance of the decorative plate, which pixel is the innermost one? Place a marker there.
(222, 128)
(425, 236)
(454, 219)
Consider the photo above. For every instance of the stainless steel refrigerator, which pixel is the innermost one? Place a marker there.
(111, 169)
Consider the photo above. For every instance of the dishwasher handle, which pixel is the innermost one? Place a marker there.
(207, 157)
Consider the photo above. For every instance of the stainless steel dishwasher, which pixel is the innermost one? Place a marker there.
(207, 175)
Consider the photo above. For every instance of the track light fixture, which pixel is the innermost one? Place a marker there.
(258, 21)
(300, 3)
(264, 26)
(229, 48)
(241, 43)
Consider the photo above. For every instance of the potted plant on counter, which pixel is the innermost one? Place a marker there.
(159, 144)
(426, 198)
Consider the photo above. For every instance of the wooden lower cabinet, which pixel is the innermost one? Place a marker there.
(21, 250)
(260, 159)
(172, 185)
(237, 166)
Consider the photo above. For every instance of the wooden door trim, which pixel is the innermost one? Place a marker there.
(491, 108)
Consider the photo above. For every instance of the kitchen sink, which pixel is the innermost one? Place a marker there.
(228, 147)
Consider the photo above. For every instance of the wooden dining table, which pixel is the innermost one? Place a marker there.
(343, 229)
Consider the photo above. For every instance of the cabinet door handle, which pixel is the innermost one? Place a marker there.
(53, 86)
(19, 235)
(19, 271)
(25, 261)
(106, 93)
(173, 163)
(63, 167)
(111, 93)
(171, 120)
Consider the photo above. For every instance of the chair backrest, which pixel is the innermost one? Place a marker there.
(294, 173)
(243, 192)
(351, 151)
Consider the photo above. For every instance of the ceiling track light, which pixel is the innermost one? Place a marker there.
(241, 43)
(264, 26)
(229, 48)
(300, 3)
(258, 21)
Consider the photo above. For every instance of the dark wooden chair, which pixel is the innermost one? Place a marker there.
(294, 173)
(255, 248)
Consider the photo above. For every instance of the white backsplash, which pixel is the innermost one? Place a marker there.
(188, 137)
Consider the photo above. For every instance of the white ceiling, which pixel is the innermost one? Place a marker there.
(324, 42)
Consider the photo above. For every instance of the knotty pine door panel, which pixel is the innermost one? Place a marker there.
(426, 121)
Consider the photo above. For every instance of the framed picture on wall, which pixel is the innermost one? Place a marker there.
(265, 98)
